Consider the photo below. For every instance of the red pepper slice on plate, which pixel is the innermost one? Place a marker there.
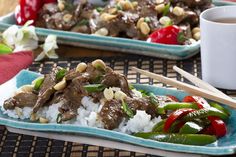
(175, 116)
(168, 35)
(173, 98)
(28, 10)
(201, 102)
(217, 127)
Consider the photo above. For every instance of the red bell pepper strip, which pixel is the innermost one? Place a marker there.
(201, 102)
(173, 98)
(28, 10)
(217, 127)
(166, 35)
(175, 116)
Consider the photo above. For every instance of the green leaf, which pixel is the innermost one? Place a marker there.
(166, 9)
(38, 83)
(4, 49)
(127, 110)
(94, 88)
(60, 74)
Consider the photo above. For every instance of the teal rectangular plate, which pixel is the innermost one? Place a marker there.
(224, 146)
(175, 52)
(223, 2)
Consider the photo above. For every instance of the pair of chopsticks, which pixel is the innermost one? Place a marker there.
(202, 88)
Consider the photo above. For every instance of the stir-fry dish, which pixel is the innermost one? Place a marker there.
(159, 21)
(94, 95)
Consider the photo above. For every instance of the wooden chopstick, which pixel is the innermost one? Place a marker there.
(198, 82)
(188, 88)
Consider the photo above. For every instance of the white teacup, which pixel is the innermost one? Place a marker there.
(218, 47)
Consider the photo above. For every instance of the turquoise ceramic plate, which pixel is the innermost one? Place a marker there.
(176, 52)
(223, 2)
(225, 145)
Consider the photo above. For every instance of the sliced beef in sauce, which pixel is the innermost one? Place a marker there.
(56, 98)
(72, 97)
(113, 79)
(142, 104)
(52, 17)
(20, 100)
(111, 114)
(46, 90)
(93, 74)
(72, 74)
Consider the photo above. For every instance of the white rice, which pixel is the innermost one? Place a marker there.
(52, 112)
(141, 122)
(88, 116)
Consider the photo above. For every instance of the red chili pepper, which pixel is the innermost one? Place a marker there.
(201, 102)
(173, 98)
(28, 10)
(167, 35)
(217, 126)
(175, 116)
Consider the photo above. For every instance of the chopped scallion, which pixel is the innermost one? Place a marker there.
(94, 88)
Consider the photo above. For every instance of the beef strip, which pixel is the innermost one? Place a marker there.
(52, 17)
(113, 79)
(72, 97)
(46, 90)
(20, 100)
(74, 93)
(111, 114)
(56, 98)
(142, 104)
(70, 75)
(93, 74)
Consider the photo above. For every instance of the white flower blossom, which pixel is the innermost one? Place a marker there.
(25, 38)
(20, 39)
(49, 48)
